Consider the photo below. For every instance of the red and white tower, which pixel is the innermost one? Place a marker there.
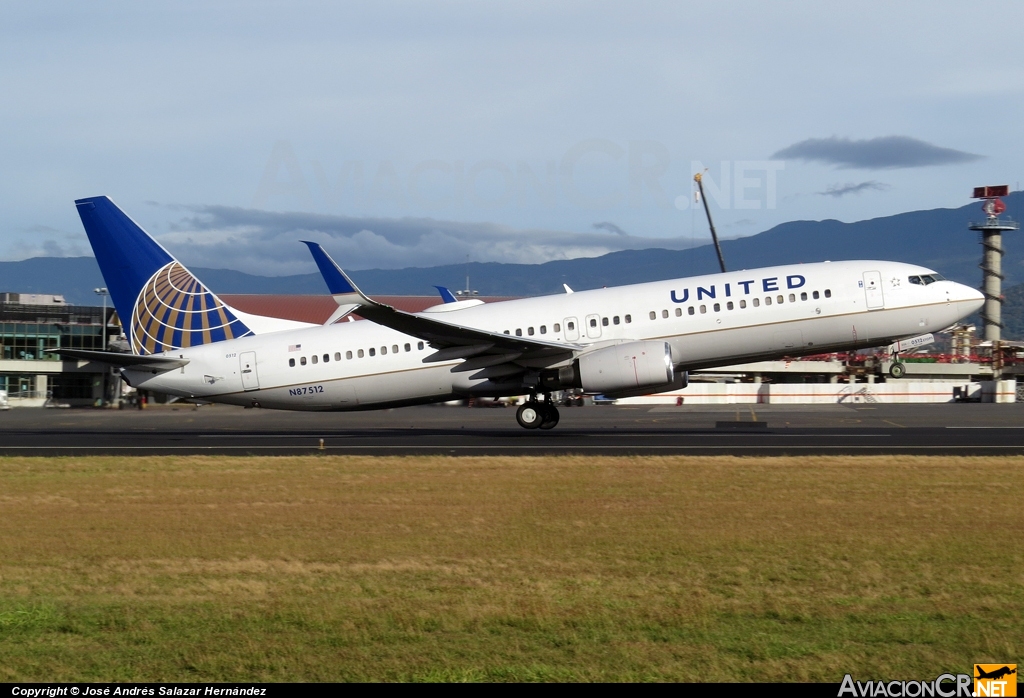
(992, 259)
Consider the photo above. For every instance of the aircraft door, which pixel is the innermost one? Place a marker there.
(593, 326)
(247, 365)
(873, 290)
(572, 329)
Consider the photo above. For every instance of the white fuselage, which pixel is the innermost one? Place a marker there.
(711, 320)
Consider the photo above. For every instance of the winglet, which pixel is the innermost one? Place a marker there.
(446, 295)
(338, 283)
(566, 287)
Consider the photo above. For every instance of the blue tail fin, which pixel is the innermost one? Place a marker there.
(162, 306)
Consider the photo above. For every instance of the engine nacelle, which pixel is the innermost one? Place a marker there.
(622, 367)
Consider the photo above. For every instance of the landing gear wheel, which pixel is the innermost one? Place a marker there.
(897, 370)
(550, 419)
(530, 415)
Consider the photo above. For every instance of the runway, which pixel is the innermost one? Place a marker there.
(962, 429)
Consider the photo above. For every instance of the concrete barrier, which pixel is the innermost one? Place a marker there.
(831, 393)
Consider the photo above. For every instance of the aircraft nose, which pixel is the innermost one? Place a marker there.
(969, 300)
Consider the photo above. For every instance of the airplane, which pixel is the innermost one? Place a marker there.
(995, 673)
(623, 341)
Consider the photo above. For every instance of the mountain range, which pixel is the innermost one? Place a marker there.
(937, 238)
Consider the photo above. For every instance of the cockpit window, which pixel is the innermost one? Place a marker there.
(926, 279)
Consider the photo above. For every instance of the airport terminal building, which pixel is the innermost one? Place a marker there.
(32, 328)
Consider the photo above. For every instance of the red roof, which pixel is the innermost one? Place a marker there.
(316, 309)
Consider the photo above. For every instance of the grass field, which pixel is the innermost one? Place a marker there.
(570, 568)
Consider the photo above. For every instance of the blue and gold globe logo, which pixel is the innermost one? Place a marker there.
(174, 310)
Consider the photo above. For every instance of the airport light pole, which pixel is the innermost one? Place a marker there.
(103, 328)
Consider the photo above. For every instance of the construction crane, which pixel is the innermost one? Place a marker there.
(711, 224)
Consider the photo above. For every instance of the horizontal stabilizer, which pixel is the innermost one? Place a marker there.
(121, 360)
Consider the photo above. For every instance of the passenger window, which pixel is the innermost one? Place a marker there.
(815, 295)
(729, 306)
(529, 331)
(519, 332)
(327, 358)
(348, 354)
(302, 360)
(654, 315)
(803, 295)
(394, 348)
(780, 299)
(383, 351)
(408, 347)
(419, 346)
(291, 362)
(690, 310)
(679, 312)
(664, 313)
(314, 358)
(604, 322)
(628, 319)
(557, 327)
(768, 300)
(570, 326)
(615, 320)
(703, 309)
(373, 352)
(543, 329)
(361, 354)
(756, 302)
(337, 356)
(593, 322)
(743, 304)
(792, 298)
(828, 293)
(718, 307)
(507, 332)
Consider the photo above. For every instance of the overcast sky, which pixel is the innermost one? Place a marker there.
(427, 133)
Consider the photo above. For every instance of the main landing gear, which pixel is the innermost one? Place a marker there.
(537, 415)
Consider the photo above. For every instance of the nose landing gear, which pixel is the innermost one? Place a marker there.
(537, 415)
(897, 369)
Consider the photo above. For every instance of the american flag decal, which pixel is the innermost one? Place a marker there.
(294, 347)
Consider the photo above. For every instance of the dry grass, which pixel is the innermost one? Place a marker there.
(336, 568)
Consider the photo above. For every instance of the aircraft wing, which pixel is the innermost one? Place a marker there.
(481, 348)
(122, 360)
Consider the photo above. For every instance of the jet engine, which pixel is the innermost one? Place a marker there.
(622, 367)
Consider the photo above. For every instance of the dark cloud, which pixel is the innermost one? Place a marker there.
(887, 152)
(267, 243)
(838, 190)
(611, 228)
